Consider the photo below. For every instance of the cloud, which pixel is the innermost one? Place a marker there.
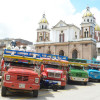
(96, 13)
(20, 18)
(77, 17)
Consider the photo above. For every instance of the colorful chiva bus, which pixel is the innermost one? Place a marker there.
(77, 72)
(94, 72)
(93, 68)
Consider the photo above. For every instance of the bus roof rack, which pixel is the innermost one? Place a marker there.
(34, 55)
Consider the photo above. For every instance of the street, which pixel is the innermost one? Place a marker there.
(75, 91)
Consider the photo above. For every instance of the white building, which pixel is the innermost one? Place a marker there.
(68, 39)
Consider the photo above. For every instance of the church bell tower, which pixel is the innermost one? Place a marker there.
(88, 25)
(43, 32)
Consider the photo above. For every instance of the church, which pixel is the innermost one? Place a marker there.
(68, 39)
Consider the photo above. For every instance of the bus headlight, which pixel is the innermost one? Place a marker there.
(63, 79)
(7, 77)
(36, 80)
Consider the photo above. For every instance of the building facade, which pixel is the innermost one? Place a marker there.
(68, 39)
(97, 37)
(5, 42)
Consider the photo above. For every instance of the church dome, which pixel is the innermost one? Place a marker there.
(87, 13)
(43, 20)
(97, 27)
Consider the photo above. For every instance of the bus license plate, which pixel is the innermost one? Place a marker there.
(21, 85)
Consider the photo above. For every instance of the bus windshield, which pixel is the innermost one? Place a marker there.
(21, 64)
(77, 67)
(94, 68)
(53, 66)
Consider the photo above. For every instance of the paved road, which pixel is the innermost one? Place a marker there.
(72, 92)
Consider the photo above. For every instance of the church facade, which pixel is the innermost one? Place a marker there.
(68, 39)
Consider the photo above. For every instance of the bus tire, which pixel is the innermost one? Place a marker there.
(3, 91)
(55, 88)
(85, 83)
(62, 87)
(69, 81)
(35, 93)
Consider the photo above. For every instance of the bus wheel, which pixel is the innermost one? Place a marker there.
(99, 80)
(35, 93)
(69, 81)
(85, 83)
(3, 91)
(55, 88)
(62, 87)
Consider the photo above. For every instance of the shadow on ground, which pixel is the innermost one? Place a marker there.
(81, 84)
(45, 93)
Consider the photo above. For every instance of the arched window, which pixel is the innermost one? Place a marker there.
(87, 20)
(61, 53)
(86, 33)
(41, 38)
(74, 54)
(49, 52)
(61, 37)
(42, 26)
(75, 35)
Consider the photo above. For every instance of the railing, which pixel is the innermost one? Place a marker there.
(33, 54)
(96, 63)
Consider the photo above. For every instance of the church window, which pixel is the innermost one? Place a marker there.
(85, 34)
(61, 52)
(61, 31)
(74, 45)
(86, 44)
(49, 52)
(75, 35)
(47, 39)
(74, 54)
(42, 26)
(39, 47)
(87, 20)
(99, 34)
(98, 50)
(41, 38)
(61, 37)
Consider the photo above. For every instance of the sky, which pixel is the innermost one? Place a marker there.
(20, 18)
